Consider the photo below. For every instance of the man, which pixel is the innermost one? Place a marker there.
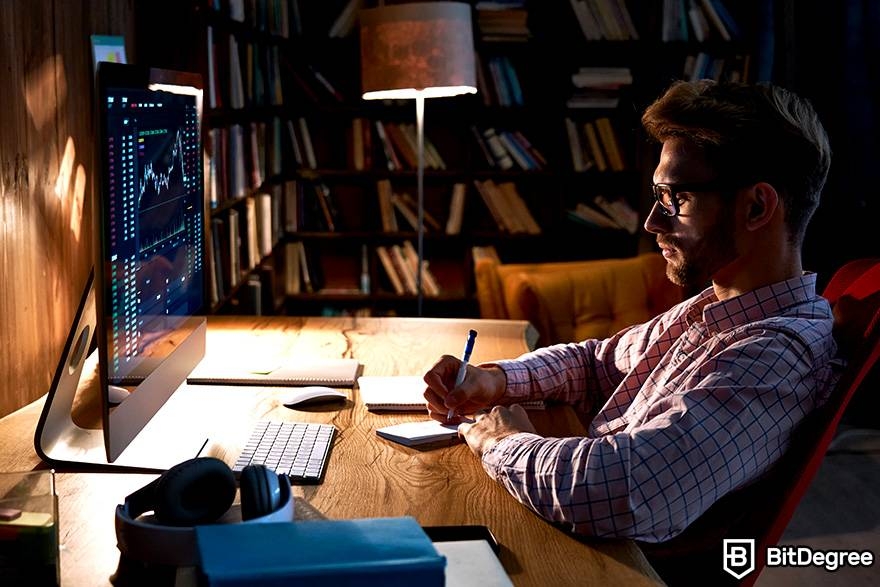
(702, 399)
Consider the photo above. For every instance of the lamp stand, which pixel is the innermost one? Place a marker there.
(420, 190)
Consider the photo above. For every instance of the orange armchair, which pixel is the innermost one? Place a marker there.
(574, 300)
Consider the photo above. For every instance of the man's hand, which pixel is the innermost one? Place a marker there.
(482, 387)
(490, 427)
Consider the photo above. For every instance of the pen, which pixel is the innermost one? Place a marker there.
(468, 349)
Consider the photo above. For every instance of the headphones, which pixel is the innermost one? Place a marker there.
(192, 493)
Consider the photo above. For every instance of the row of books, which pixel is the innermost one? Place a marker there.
(604, 19)
(399, 145)
(612, 213)
(502, 21)
(271, 16)
(240, 238)
(507, 207)
(594, 144)
(498, 82)
(704, 65)
(400, 263)
(397, 208)
(310, 206)
(236, 161)
(241, 157)
(506, 149)
(699, 20)
(242, 73)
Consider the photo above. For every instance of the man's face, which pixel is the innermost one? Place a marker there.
(701, 239)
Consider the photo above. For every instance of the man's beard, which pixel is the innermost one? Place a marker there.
(700, 260)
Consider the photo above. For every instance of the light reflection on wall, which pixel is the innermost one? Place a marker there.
(71, 195)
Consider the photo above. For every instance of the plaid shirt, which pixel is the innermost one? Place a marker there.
(685, 408)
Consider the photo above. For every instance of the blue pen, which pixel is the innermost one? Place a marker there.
(468, 349)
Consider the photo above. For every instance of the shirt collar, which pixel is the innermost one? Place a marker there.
(768, 300)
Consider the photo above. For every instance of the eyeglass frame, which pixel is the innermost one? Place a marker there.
(694, 187)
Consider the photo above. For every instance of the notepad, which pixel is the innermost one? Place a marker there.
(401, 393)
(418, 433)
(331, 372)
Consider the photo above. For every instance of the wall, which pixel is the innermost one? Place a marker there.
(46, 180)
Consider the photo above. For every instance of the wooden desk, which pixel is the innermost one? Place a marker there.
(367, 476)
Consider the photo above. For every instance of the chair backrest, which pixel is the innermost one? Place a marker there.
(763, 510)
(575, 300)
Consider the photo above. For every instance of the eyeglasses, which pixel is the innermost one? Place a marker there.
(666, 194)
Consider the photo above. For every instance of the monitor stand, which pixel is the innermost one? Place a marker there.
(60, 440)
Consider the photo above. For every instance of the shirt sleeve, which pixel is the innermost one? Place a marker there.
(581, 374)
(723, 426)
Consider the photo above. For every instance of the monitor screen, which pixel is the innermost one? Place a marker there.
(152, 219)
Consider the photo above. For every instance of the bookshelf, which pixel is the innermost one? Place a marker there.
(309, 183)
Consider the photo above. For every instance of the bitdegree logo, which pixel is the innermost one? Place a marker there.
(804, 556)
(739, 557)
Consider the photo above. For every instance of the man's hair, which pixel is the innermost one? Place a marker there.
(750, 133)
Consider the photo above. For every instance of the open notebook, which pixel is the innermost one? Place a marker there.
(331, 372)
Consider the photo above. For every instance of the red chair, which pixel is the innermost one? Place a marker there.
(763, 510)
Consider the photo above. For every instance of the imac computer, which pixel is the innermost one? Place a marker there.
(139, 328)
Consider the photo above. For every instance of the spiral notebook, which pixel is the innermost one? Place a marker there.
(330, 372)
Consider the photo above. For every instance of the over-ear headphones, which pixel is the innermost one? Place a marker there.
(196, 492)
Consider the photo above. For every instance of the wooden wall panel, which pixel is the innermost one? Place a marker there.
(46, 181)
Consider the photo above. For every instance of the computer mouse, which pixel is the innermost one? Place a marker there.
(313, 394)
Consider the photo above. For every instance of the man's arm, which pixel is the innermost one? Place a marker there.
(673, 456)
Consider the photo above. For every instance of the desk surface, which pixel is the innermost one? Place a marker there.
(367, 476)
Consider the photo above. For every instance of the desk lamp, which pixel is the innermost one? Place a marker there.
(417, 50)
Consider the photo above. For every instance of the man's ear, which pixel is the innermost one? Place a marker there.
(761, 204)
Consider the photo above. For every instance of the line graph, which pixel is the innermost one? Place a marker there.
(161, 182)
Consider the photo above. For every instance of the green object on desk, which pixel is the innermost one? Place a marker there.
(392, 552)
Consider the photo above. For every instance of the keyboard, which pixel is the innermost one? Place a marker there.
(299, 450)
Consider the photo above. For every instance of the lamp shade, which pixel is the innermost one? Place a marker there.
(418, 49)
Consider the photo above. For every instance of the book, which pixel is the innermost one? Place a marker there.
(419, 433)
(620, 212)
(392, 552)
(307, 145)
(401, 393)
(578, 162)
(333, 372)
(392, 161)
(608, 138)
(597, 155)
(406, 211)
(386, 207)
(588, 215)
(412, 204)
(518, 208)
(390, 270)
(306, 273)
(403, 269)
(502, 158)
(345, 21)
(713, 17)
(456, 208)
(292, 272)
(411, 256)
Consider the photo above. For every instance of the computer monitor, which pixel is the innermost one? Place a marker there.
(139, 328)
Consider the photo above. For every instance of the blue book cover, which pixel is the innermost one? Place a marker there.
(372, 551)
